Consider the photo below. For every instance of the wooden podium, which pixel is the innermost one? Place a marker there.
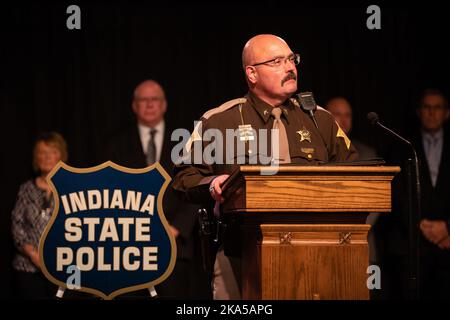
(303, 230)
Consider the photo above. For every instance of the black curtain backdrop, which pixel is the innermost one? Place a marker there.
(80, 82)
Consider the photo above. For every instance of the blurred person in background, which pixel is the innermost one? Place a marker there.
(32, 212)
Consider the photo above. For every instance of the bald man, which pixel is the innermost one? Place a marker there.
(270, 68)
(140, 145)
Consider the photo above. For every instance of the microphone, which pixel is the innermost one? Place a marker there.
(373, 117)
(375, 120)
(414, 211)
(308, 104)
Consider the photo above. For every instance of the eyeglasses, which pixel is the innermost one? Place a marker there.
(148, 99)
(433, 107)
(277, 62)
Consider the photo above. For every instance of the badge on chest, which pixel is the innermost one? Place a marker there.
(304, 135)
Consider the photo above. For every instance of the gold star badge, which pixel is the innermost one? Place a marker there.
(304, 135)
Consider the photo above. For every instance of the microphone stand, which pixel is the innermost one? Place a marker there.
(413, 221)
(414, 216)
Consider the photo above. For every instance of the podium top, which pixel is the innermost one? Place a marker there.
(304, 170)
(249, 169)
(298, 188)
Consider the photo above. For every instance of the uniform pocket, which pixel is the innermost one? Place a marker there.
(309, 153)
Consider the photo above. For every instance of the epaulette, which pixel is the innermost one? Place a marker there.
(195, 136)
(295, 102)
(323, 109)
(223, 107)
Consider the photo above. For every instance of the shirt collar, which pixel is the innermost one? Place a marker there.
(145, 131)
(433, 136)
(264, 109)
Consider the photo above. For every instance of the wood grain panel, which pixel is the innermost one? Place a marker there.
(302, 229)
(314, 265)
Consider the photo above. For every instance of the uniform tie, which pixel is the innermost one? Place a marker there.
(151, 148)
(284, 156)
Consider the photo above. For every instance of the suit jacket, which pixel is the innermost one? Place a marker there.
(435, 201)
(125, 149)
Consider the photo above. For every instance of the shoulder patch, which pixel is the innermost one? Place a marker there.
(341, 134)
(195, 136)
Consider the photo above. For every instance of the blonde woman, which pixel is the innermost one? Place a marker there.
(32, 211)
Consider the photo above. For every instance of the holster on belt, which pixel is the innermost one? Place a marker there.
(209, 238)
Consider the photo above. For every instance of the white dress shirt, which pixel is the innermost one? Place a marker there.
(432, 144)
(144, 133)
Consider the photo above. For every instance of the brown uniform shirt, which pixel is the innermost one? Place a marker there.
(326, 144)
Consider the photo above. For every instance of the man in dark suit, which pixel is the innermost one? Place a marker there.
(147, 142)
(432, 144)
(434, 152)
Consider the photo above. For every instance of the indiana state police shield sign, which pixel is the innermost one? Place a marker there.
(108, 224)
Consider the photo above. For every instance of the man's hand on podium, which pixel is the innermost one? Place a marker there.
(215, 188)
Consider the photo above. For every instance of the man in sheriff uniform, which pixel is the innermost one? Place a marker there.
(271, 74)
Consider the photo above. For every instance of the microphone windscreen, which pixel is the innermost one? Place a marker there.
(373, 117)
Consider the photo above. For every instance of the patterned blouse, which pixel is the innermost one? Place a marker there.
(29, 217)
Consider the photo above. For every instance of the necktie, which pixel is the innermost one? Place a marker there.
(432, 159)
(283, 144)
(151, 148)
